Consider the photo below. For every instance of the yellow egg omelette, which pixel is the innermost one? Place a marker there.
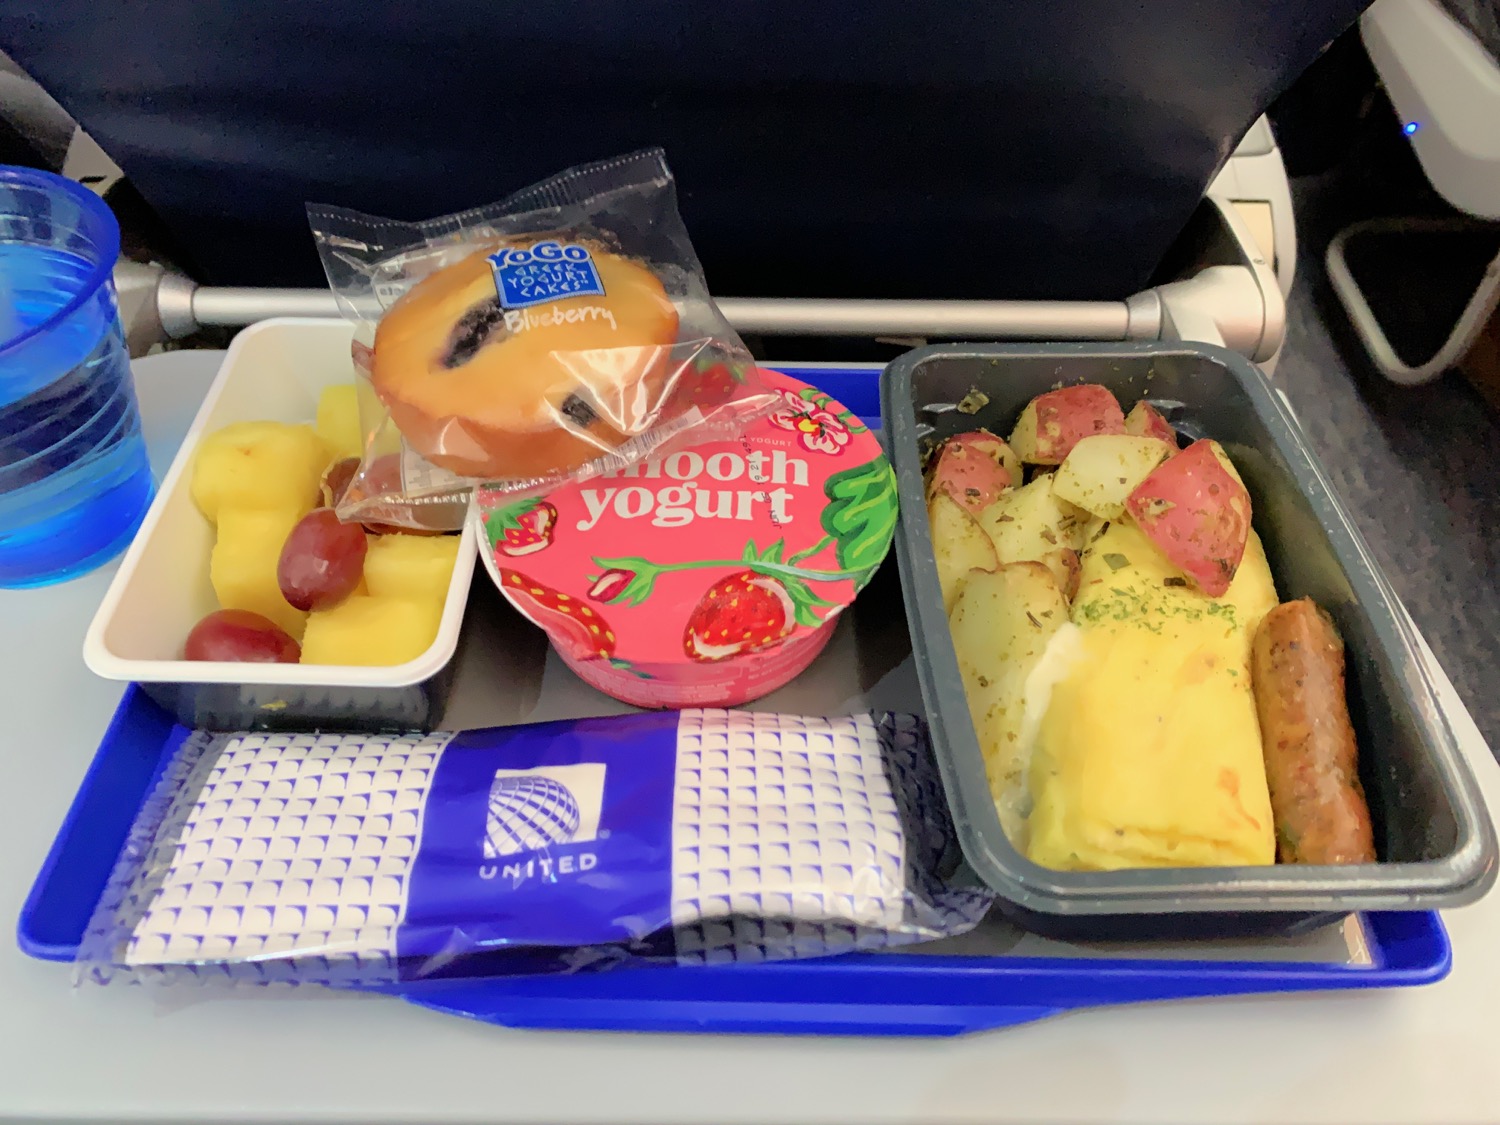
(1149, 753)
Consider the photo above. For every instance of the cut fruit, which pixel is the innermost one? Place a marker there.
(336, 480)
(338, 420)
(265, 465)
(411, 566)
(371, 631)
(322, 560)
(239, 636)
(242, 568)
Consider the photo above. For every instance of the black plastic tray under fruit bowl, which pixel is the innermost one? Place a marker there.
(1435, 841)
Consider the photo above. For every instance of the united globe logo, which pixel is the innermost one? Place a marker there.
(536, 818)
(528, 813)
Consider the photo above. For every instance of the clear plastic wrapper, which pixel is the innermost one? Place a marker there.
(692, 837)
(563, 332)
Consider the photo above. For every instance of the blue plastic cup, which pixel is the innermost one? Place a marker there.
(74, 479)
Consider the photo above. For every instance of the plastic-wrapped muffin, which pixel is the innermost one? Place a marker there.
(527, 357)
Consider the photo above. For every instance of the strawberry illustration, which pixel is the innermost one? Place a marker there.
(523, 528)
(574, 627)
(611, 584)
(717, 384)
(708, 382)
(745, 612)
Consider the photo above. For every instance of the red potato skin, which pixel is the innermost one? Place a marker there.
(1066, 416)
(1197, 514)
(1144, 420)
(993, 447)
(966, 471)
(1297, 670)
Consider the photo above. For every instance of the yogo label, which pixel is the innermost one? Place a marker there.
(547, 271)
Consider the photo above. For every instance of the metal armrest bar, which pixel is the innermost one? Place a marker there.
(1227, 295)
(768, 316)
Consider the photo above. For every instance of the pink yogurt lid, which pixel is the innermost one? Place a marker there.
(711, 575)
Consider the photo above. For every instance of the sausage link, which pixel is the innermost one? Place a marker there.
(1297, 669)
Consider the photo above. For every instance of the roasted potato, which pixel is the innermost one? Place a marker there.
(1066, 568)
(997, 449)
(1001, 627)
(1198, 513)
(1028, 523)
(1144, 420)
(1223, 458)
(1102, 471)
(968, 470)
(958, 546)
(1003, 453)
(1053, 423)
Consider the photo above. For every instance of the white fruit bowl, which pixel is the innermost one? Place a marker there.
(274, 371)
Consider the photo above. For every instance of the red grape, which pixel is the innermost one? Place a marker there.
(322, 560)
(242, 636)
(336, 480)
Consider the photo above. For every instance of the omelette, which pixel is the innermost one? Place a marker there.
(1149, 752)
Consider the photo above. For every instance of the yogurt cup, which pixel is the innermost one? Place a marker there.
(712, 575)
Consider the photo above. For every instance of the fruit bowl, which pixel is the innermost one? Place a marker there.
(274, 371)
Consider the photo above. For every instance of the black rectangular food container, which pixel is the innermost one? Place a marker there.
(1434, 837)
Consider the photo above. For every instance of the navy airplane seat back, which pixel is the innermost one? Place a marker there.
(1021, 149)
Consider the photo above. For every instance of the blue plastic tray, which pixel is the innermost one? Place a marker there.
(907, 994)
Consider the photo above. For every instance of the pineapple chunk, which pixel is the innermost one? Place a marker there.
(243, 565)
(338, 421)
(371, 631)
(411, 566)
(264, 465)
